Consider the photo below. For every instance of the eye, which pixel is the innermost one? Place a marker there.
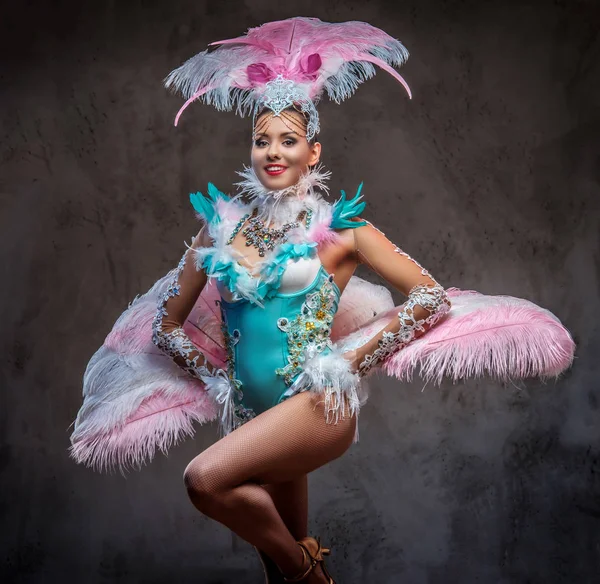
(289, 142)
(260, 143)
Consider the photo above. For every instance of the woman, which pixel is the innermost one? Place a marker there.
(281, 257)
(254, 479)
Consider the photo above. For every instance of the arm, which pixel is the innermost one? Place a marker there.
(174, 307)
(427, 300)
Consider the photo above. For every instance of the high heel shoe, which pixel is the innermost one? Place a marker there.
(272, 573)
(313, 552)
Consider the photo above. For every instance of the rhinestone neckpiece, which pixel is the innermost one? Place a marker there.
(265, 238)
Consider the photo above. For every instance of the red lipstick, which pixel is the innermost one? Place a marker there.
(275, 169)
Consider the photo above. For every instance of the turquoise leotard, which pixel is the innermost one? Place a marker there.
(273, 337)
(266, 344)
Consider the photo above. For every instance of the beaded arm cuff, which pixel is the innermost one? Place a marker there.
(173, 340)
(404, 273)
(432, 298)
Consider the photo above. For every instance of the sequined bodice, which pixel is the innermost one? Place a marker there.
(268, 344)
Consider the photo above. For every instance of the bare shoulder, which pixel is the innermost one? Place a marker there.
(368, 231)
(345, 237)
(368, 235)
(346, 240)
(364, 226)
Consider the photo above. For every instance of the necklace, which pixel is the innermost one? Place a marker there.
(265, 238)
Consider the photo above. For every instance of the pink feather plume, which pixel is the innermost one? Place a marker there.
(317, 56)
(136, 399)
(498, 336)
(160, 422)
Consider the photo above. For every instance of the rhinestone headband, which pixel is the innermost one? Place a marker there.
(280, 94)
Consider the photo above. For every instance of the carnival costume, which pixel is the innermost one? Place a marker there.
(254, 339)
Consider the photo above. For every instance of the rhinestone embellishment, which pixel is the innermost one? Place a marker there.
(308, 333)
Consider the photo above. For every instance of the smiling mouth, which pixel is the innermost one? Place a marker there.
(275, 169)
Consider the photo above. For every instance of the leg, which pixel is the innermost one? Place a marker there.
(291, 501)
(280, 445)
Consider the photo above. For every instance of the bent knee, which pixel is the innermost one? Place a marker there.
(201, 480)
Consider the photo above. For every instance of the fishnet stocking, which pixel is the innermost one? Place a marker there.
(233, 481)
(291, 501)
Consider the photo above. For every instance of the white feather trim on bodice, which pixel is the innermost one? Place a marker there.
(298, 253)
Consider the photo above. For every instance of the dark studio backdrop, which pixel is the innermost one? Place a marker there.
(489, 177)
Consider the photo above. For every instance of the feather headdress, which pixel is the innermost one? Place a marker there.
(288, 62)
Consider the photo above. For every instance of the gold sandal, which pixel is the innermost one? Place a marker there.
(314, 558)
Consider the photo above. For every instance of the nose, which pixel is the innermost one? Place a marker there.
(273, 151)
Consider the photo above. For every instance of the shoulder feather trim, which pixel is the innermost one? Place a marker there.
(205, 206)
(344, 210)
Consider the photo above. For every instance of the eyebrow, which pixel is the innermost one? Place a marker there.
(282, 134)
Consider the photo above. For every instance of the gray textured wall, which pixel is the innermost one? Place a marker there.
(489, 177)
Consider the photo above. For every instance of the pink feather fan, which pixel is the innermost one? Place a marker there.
(136, 399)
(502, 337)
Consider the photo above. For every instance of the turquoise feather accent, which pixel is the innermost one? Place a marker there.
(272, 271)
(239, 281)
(235, 277)
(344, 210)
(205, 206)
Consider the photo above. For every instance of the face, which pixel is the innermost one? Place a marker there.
(281, 155)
